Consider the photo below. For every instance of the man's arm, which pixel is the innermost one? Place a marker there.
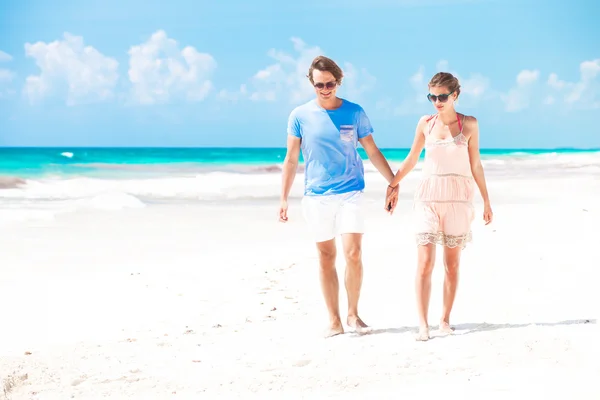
(290, 166)
(365, 137)
(376, 157)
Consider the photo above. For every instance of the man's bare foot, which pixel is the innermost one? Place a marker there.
(445, 328)
(423, 334)
(358, 325)
(334, 329)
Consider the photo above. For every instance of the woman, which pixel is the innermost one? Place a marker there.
(444, 197)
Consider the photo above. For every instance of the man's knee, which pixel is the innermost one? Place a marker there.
(352, 247)
(353, 254)
(327, 252)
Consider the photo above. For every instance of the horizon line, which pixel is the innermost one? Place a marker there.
(274, 147)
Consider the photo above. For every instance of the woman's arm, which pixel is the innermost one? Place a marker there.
(475, 158)
(413, 156)
(391, 198)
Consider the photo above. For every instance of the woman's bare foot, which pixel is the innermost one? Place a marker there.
(358, 325)
(445, 328)
(423, 334)
(334, 329)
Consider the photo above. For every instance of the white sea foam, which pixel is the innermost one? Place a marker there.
(114, 201)
(43, 198)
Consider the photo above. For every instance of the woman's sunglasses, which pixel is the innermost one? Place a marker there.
(328, 85)
(441, 97)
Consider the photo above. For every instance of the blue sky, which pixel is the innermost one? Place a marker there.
(85, 73)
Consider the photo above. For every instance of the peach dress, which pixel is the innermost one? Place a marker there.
(444, 197)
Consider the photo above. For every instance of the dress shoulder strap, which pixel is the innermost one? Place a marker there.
(431, 125)
(461, 124)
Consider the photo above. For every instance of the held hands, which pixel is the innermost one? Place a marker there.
(391, 198)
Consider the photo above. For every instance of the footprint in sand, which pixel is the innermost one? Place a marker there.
(79, 380)
(13, 381)
(301, 363)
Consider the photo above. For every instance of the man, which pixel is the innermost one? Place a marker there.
(328, 130)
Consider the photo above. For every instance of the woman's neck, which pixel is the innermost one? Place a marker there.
(448, 116)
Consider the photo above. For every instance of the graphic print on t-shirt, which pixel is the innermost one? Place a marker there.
(347, 133)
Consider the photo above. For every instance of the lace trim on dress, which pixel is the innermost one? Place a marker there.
(445, 240)
(459, 139)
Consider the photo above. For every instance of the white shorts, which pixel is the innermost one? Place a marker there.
(330, 215)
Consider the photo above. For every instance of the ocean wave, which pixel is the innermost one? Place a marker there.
(43, 197)
(22, 198)
(178, 168)
(250, 180)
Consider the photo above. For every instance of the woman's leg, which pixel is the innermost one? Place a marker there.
(425, 263)
(457, 229)
(451, 266)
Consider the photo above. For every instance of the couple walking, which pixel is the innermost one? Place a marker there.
(328, 129)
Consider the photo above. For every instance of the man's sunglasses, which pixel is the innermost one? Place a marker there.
(441, 97)
(328, 85)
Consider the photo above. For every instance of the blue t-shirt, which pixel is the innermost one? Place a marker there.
(329, 142)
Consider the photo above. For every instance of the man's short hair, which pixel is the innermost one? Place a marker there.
(325, 64)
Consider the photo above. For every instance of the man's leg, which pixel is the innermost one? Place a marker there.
(330, 285)
(319, 213)
(351, 225)
(352, 243)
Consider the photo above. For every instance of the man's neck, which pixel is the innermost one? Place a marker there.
(332, 104)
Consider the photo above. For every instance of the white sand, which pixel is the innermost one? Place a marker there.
(179, 301)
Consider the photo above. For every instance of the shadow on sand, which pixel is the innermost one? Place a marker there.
(468, 328)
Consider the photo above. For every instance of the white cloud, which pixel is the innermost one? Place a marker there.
(473, 90)
(413, 104)
(159, 71)
(518, 97)
(285, 78)
(357, 81)
(5, 57)
(85, 74)
(585, 93)
(442, 66)
(6, 76)
(234, 96)
(475, 86)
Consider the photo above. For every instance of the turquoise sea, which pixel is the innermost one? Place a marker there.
(41, 182)
(31, 162)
